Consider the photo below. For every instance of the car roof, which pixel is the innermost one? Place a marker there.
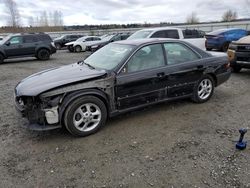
(27, 34)
(159, 28)
(139, 42)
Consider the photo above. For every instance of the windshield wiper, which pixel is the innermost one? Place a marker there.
(83, 62)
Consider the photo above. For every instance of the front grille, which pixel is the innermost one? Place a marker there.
(247, 59)
(245, 48)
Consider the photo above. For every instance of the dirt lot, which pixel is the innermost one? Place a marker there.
(177, 144)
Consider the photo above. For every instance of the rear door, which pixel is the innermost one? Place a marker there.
(184, 69)
(14, 46)
(30, 43)
(142, 80)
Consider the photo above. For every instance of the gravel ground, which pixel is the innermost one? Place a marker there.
(177, 144)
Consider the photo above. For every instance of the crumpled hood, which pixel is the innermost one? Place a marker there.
(52, 78)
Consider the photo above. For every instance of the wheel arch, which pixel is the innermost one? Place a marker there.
(41, 48)
(3, 53)
(214, 77)
(70, 97)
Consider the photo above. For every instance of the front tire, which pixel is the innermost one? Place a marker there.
(225, 46)
(204, 90)
(1, 58)
(58, 46)
(78, 49)
(43, 54)
(85, 116)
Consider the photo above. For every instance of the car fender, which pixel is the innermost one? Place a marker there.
(74, 95)
(2, 52)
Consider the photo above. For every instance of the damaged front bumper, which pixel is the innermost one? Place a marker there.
(38, 119)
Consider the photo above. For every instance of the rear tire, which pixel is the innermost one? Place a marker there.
(85, 116)
(204, 90)
(1, 58)
(78, 49)
(225, 46)
(43, 54)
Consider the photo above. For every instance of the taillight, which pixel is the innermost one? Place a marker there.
(227, 65)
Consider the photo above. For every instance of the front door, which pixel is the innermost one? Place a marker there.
(14, 46)
(142, 79)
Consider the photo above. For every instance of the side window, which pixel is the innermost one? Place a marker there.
(158, 34)
(146, 58)
(179, 53)
(16, 40)
(29, 39)
(173, 34)
(88, 39)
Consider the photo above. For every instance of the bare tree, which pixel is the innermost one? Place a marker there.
(43, 19)
(12, 10)
(192, 18)
(229, 15)
(58, 18)
(31, 21)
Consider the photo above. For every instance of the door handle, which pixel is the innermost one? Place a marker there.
(160, 75)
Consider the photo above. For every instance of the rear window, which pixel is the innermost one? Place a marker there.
(30, 39)
(192, 34)
(173, 34)
(44, 38)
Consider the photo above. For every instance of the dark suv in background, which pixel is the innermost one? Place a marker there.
(37, 45)
(61, 41)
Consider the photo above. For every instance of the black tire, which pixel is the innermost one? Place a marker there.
(71, 113)
(225, 46)
(209, 49)
(43, 54)
(236, 69)
(196, 98)
(78, 49)
(1, 58)
(58, 46)
(70, 48)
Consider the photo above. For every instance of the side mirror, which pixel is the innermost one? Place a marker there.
(7, 43)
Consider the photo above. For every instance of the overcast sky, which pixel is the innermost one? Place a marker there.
(80, 12)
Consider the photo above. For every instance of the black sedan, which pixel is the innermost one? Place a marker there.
(120, 77)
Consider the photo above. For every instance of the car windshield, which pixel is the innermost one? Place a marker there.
(81, 39)
(107, 38)
(140, 35)
(5, 39)
(109, 56)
